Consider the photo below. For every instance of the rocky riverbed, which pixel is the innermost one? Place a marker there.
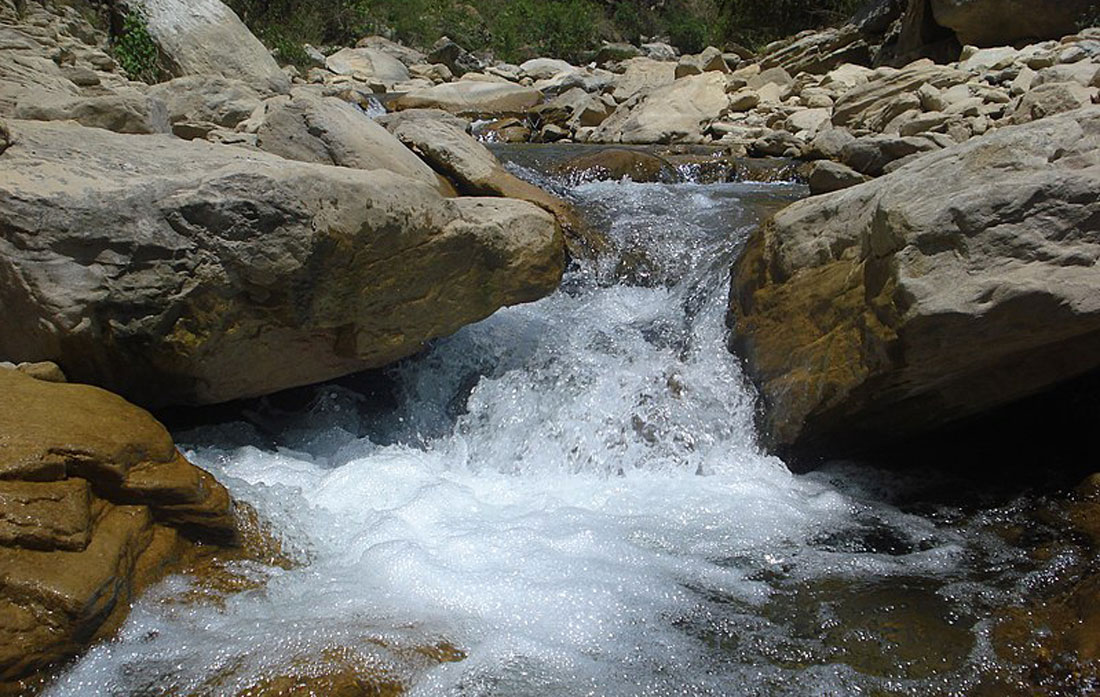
(241, 228)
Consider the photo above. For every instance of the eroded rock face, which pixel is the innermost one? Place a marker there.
(93, 499)
(184, 272)
(1000, 22)
(959, 282)
(473, 98)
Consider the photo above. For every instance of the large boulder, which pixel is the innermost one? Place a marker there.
(473, 98)
(93, 500)
(208, 99)
(642, 74)
(205, 37)
(1000, 22)
(368, 65)
(329, 131)
(675, 113)
(184, 272)
(475, 171)
(962, 281)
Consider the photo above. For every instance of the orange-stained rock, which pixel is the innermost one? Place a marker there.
(94, 497)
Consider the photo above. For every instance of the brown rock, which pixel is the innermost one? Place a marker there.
(93, 496)
(616, 164)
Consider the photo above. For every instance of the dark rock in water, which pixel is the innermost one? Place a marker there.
(178, 272)
(615, 164)
(94, 497)
(457, 59)
(963, 281)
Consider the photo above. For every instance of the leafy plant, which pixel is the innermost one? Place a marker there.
(135, 50)
(757, 22)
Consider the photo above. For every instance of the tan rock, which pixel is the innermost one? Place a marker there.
(889, 308)
(254, 273)
(641, 75)
(678, 112)
(205, 37)
(325, 130)
(1050, 99)
(368, 65)
(125, 111)
(473, 98)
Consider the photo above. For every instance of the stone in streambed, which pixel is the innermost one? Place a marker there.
(185, 272)
(960, 282)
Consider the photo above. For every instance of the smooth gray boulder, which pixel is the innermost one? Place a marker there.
(205, 37)
(178, 272)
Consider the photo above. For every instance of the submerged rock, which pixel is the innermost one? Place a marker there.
(94, 497)
(185, 272)
(960, 282)
(616, 164)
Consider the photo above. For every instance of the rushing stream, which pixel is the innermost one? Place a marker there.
(568, 499)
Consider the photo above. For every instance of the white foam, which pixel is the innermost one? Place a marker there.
(599, 493)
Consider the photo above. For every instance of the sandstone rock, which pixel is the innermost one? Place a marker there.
(1083, 74)
(205, 37)
(641, 75)
(660, 51)
(207, 99)
(328, 131)
(43, 370)
(870, 155)
(827, 176)
(574, 109)
(808, 120)
(822, 51)
(93, 496)
(829, 143)
(744, 100)
(473, 98)
(408, 56)
(980, 60)
(710, 59)
(475, 171)
(437, 73)
(505, 131)
(874, 104)
(126, 111)
(184, 272)
(545, 68)
(368, 65)
(1000, 22)
(670, 114)
(615, 52)
(1049, 99)
(956, 284)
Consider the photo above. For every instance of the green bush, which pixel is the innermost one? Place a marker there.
(134, 49)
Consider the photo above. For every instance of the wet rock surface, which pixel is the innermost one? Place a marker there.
(95, 504)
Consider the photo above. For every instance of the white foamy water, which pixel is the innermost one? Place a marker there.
(570, 493)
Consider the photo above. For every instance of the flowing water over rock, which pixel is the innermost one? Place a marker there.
(567, 499)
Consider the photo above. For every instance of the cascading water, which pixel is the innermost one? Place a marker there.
(569, 498)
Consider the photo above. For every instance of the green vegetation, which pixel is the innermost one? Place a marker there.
(755, 23)
(515, 30)
(134, 49)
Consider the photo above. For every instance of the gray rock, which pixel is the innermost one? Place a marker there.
(1049, 99)
(205, 37)
(125, 111)
(186, 272)
(827, 176)
(329, 131)
(457, 59)
(208, 99)
(870, 155)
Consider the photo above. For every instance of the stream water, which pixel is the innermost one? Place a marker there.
(568, 499)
